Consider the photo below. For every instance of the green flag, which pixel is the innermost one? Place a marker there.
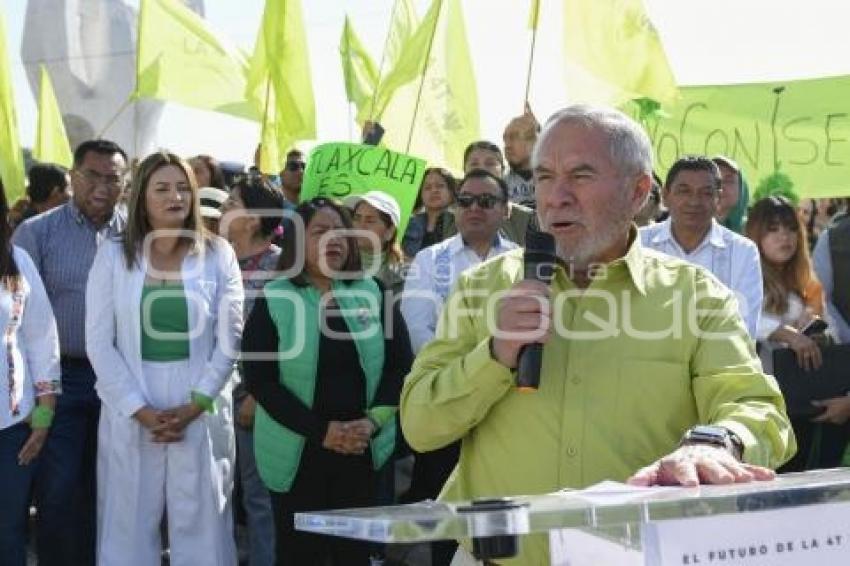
(181, 59)
(410, 63)
(51, 140)
(358, 69)
(614, 54)
(800, 128)
(447, 118)
(402, 25)
(279, 82)
(11, 157)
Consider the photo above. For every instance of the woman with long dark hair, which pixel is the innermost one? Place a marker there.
(29, 383)
(250, 220)
(207, 172)
(326, 371)
(163, 322)
(432, 221)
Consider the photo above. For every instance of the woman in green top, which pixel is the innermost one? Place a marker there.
(163, 320)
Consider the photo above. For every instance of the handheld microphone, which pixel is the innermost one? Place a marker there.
(539, 262)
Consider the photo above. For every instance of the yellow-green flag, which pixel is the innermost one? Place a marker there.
(410, 63)
(534, 14)
(279, 81)
(181, 59)
(447, 119)
(11, 157)
(358, 69)
(51, 140)
(614, 53)
(403, 24)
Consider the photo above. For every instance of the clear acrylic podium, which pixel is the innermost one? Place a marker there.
(610, 512)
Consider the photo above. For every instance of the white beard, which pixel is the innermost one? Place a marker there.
(581, 256)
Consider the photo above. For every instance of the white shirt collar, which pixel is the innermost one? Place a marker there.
(714, 236)
(456, 245)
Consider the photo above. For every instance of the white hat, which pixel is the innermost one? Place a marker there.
(378, 200)
(211, 200)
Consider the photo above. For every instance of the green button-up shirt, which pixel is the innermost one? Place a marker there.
(652, 347)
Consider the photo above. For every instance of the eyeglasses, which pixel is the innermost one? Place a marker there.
(293, 166)
(93, 178)
(484, 201)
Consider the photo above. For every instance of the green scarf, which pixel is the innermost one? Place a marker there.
(738, 215)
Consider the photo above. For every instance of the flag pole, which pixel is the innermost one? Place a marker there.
(265, 121)
(536, 21)
(347, 77)
(383, 59)
(115, 117)
(422, 80)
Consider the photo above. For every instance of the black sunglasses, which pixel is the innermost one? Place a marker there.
(485, 201)
(295, 166)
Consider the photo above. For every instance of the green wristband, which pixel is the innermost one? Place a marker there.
(380, 415)
(204, 402)
(41, 417)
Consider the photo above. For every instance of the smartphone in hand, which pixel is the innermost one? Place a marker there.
(816, 326)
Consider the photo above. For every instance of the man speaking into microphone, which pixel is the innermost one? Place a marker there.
(647, 371)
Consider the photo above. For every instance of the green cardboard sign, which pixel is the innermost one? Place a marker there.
(800, 127)
(339, 170)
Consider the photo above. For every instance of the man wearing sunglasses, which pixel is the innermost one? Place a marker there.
(481, 207)
(292, 175)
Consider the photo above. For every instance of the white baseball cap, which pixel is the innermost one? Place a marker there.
(211, 200)
(378, 200)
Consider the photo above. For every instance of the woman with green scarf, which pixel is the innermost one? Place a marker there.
(735, 195)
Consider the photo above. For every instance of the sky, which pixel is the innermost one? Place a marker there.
(721, 42)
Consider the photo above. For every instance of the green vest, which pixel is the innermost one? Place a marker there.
(295, 312)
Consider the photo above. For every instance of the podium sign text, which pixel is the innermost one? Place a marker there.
(810, 534)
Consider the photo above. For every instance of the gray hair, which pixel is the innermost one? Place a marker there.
(628, 145)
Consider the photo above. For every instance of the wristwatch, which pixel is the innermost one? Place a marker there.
(714, 436)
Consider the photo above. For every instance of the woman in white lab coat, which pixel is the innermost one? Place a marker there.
(163, 321)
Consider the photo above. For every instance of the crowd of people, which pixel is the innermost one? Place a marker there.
(182, 341)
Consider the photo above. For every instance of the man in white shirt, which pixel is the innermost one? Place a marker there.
(481, 207)
(692, 194)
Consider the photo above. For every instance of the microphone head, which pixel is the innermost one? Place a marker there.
(537, 242)
(539, 255)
